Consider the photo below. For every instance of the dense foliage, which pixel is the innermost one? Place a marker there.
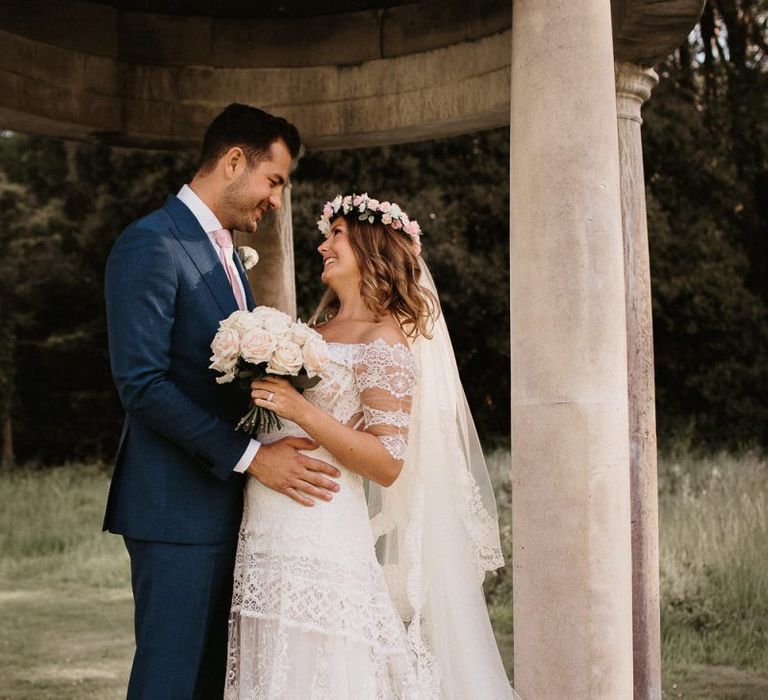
(705, 141)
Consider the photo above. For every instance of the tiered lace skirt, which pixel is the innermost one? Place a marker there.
(311, 614)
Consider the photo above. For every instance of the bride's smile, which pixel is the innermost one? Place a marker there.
(339, 261)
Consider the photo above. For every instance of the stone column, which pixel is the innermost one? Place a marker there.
(633, 88)
(273, 278)
(572, 564)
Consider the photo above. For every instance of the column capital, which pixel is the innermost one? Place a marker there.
(633, 87)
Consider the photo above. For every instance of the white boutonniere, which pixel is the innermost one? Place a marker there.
(248, 256)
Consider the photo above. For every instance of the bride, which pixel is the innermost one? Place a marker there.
(377, 594)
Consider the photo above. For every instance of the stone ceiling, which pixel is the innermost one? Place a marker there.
(349, 72)
(240, 9)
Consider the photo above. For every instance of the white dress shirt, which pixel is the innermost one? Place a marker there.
(210, 224)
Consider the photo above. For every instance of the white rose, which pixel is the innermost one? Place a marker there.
(257, 345)
(276, 322)
(241, 321)
(226, 378)
(264, 312)
(300, 333)
(278, 328)
(225, 345)
(315, 353)
(223, 365)
(287, 359)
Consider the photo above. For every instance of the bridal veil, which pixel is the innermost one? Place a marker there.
(438, 533)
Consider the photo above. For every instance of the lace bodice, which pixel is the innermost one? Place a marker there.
(370, 386)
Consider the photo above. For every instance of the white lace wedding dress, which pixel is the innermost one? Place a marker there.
(312, 617)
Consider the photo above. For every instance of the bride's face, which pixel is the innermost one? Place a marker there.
(339, 260)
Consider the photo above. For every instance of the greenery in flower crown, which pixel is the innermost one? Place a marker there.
(368, 209)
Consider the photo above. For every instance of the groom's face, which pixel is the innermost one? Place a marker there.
(254, 190)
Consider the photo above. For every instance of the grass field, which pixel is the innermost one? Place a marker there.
(66, 606)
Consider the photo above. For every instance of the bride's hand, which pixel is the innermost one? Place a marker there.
(278, 395)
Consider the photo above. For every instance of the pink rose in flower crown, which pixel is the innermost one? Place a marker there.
(412, 228)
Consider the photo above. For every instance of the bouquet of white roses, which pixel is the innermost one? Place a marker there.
(249, 345)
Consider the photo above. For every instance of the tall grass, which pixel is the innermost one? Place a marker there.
(50, 529)
(714, 549)
(713, 514)
(714, 559)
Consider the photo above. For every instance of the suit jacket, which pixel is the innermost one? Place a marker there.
(166, 292)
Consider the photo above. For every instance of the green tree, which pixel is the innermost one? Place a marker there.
(66, 203)
(705, 161)
(31, 237)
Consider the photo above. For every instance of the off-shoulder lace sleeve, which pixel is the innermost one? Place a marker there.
(386, 379)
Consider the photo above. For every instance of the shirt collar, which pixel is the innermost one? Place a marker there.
(205, 217)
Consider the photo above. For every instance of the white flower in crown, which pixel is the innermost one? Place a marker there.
(369, 209)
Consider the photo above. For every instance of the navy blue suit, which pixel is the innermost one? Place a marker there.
(174, 496)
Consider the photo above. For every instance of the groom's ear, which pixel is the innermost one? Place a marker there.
(233, 162)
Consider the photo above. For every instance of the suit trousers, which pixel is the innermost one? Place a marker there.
(182, 595)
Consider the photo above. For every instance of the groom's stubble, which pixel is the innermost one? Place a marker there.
(257, 189)
(238, 205)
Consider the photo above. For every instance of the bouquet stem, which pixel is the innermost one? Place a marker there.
(259, 420)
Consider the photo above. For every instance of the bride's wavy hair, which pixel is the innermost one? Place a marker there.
(390, 272)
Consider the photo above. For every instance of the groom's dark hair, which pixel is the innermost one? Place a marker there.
(250, 128)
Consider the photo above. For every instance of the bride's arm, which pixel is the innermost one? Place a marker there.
(386, 381)
(358, 450)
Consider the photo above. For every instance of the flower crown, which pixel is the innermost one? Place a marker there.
(369, 210)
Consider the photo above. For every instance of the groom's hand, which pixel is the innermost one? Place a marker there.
(281, 467)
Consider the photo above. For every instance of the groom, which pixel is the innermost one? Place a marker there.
(177, 491)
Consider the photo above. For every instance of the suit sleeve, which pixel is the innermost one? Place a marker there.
(140, 289)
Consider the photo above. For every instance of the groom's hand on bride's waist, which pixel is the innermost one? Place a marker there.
(281, 467)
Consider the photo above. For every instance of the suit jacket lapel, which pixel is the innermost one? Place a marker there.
(195, 242)
(249, 300)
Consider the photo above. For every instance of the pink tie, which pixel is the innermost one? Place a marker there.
(224, 241)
